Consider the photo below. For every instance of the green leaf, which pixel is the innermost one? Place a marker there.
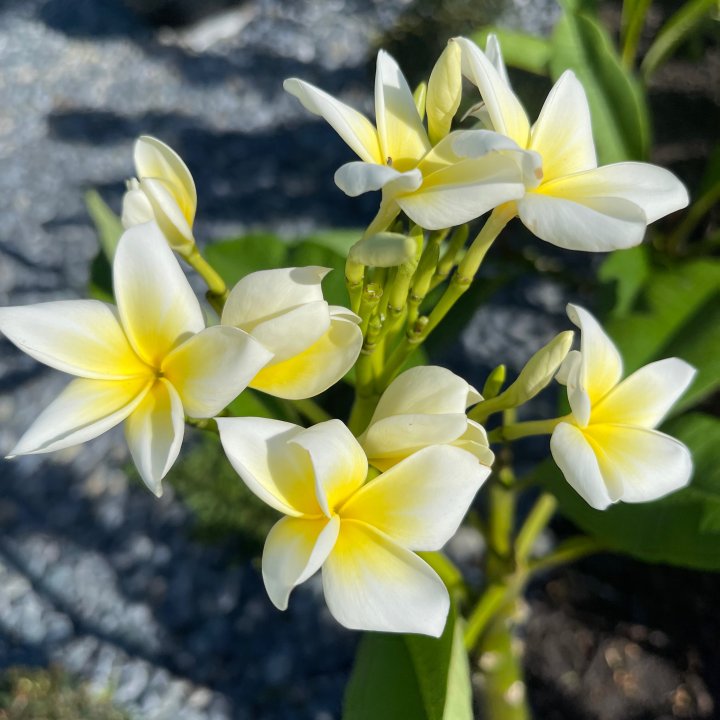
(631, 25)
(236, 258)
(520, 50)
(339, 241)
(107, 223)
(100, 283)
(628, 270)
(310, 252)
(410, 676)
(680, 25)
(617, 102)
(681, 529)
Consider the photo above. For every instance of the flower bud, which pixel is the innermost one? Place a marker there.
(443, 93)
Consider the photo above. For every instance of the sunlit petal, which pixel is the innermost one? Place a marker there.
(294, 550)
(371, 583)
(444, 92)
(136, 208)
(154, 433)
(213, 367)
(80, 337)
(474, 440)
(356, 178)
(493, 53)
(167, 213)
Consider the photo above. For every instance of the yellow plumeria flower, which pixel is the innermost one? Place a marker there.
(436, 187)
(569, 201)
(362, 534)
(148, 362)
(163, 191)
(313, 344)
(608, 450)
(424, 406)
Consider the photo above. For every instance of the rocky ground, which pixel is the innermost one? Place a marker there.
(95, 573)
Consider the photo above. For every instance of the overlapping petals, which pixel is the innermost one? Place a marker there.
(424, 406)
(149, 362)
(609, 449)
(363, 534)
(313, 344)
(571, 202)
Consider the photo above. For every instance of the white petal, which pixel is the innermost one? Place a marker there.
(463, 191)
(646, 396)
(356, 178)
(644, 464)
(338, 461)
(294, 550)
(476, 143)
(82, 411)
(80, 337)
(371, 583)
(167, 213)
(353, 127)
(494, 55)
(600, 362)
(154, 432)
(578, 463)
(155, 159)
(403, 140)
(506, 112)
(653, 189)
(563, 131)
(136, 208)
(157, 307)
(420, 502)
(213, 367)
(474, 440)
(279, 472)
(318, 367)
(588, 224)
(444, 92)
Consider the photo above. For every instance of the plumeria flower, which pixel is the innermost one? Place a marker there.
(436, 187)
(608, 448)
(424, 406)
(313, 344)
(362, 534)
(569, 201)
(148, 362)
(163, 191)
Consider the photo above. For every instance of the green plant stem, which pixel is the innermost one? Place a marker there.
(208, 424)
(312, 411)
(217, 292)
(536, 521)
(448, 572)
(692, 218)
(515, 431)
(631, 25)
(568, 551)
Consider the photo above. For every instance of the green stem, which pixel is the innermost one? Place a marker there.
(515, 431)
(217, 292)
(568, 551)
(448, 572)
(208, 424)
(312, 411)
(535, 523)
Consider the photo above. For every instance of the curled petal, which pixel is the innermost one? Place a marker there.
(162, 196)
(474, 440)
(444, 92)
(294, 550)
(356, 178)
(136, 208)
(371, 583)
(154, 432)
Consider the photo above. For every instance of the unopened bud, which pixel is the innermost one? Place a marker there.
(419, 97)
(444, 92)
(495, 381)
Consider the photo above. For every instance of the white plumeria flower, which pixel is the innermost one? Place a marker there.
(163, 191)
(609, 449)
(435, 186)
(313, 344)
(148, 361)
(570, 201)
(424, 406)
(362, 534)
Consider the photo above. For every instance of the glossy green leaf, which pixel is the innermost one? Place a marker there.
(520, 50)
(631, 25)
(107, 223)
(234, 259)
(410, 676)
(680, 529)
(617, 102)
(628, 270)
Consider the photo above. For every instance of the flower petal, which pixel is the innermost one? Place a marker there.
(475, 441)
(157, 307)
(563, 131)
(653, 189)
(83, 410)
(493, 53)
(136, 208)
(371, 583)
(600, 366)
(162, 196)
(295, 549)
(277, 471)
(403, 140)
(80, 337)
(646, 396)
(444, 92)
(155, 159)
(338, 460)
(643, 464)
(213, 367)
(154, 432)
(576, 459)
(420, 502)
(353, 127)
(587, 224)
(356, 178)
(318, 367)
(506, 112)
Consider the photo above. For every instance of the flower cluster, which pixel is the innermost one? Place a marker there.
(362, 504)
